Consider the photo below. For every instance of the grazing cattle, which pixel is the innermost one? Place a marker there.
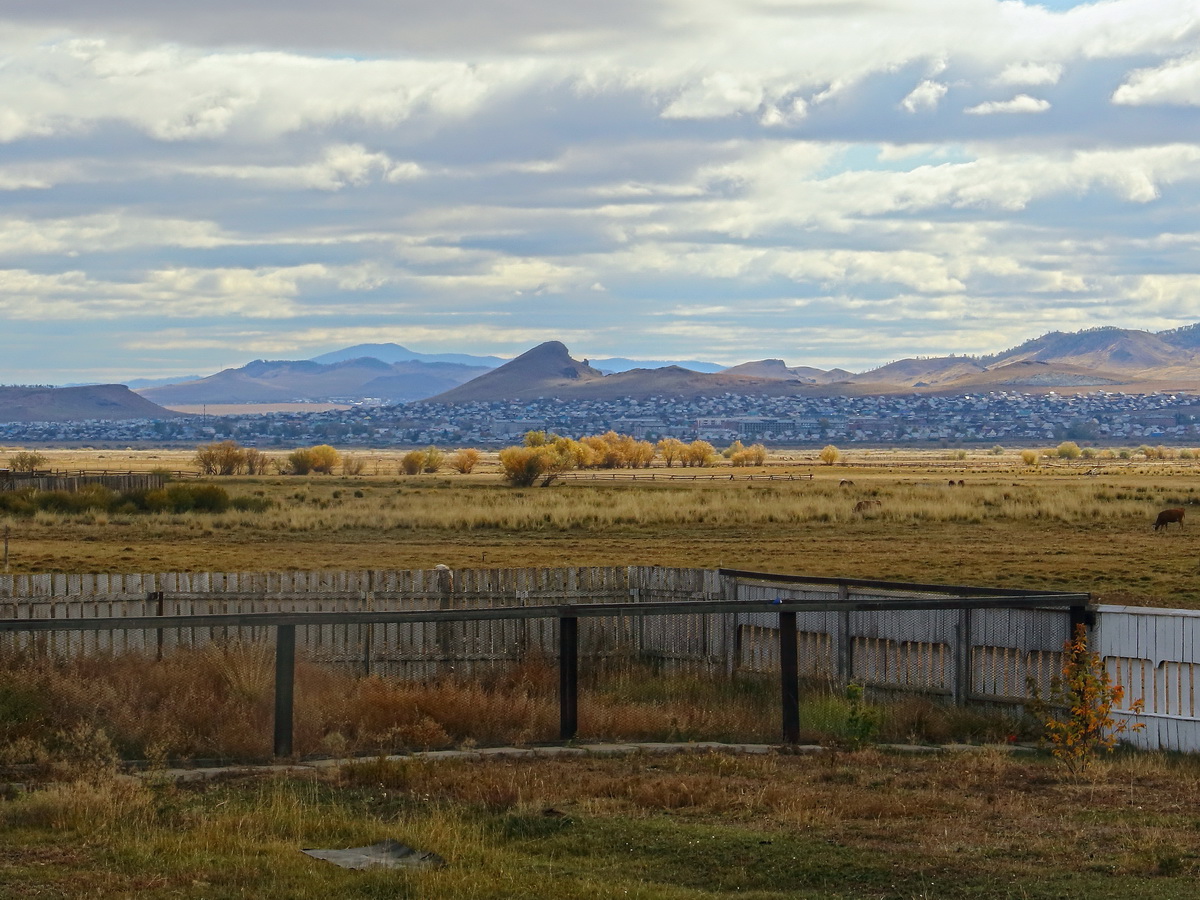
(865, 506)
(1167, 516)
(846, 482)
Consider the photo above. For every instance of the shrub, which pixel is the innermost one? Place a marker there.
(257, 462)
(522, 466)
(733, 449)
(251, 504)
(1068, 450)
(464, 461)
(829, 454)
(1086, 695)
(26, 461)
(434, 459)
(92, 497)
(223, 458)
(324, 459)
(1030, 458)
(300, 461)
(353, 465)
(754, 455)
(208, 498)
(412, 462)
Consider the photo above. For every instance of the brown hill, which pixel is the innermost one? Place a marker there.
(549, 371)
(923, 372)
(1032, 375)
(545, 371)
(778, 370)
(93, 401)
(1119, 350)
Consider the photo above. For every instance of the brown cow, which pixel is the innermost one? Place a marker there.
(1167, 516)
(865, 506)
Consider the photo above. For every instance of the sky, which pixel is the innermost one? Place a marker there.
(186, 187)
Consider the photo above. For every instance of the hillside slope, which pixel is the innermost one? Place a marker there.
(68, 404)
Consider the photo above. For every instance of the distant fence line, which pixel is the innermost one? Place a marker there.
(76, 481)
(658, 476)
(965, 644)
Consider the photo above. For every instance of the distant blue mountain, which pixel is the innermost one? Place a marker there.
(394, 353)
(135, 384)
(620, 364)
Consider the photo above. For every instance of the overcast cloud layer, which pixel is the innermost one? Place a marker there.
(185, 187)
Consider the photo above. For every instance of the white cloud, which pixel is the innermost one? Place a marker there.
(105, 232)
(1030, 74)
(1177, 82)
(176, 94)
(1022, 103)
(925, 95)
(340, 166)
(287, 167)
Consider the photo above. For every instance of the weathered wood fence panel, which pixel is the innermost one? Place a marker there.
(73, 483)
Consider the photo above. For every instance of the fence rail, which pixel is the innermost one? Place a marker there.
(947, 641)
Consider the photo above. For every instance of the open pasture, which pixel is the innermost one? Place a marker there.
(1006, 524)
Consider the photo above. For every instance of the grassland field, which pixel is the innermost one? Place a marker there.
(1085, 525)
(858, 824)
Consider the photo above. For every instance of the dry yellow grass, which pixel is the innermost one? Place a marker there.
(1007, 525)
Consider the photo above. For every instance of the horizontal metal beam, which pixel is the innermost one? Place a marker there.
(950, 589)
(549, 611)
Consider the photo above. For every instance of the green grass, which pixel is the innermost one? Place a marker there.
(854, 826)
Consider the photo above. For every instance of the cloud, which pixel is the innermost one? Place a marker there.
(925, 95)
(1022, 103)
(340, 166)
(465, 175)
(1177, 82)
(1030, 73)
(178, 94)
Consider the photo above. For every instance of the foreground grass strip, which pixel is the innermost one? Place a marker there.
(843, 825)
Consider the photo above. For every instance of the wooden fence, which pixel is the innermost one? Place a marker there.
(76, 481)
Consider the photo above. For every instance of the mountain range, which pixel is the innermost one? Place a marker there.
(1102, 358)
(1117, 359)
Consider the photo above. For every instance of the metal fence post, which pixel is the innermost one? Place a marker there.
(568, 677)
(845, 643)
(962, 657)
(285, 679)
(789, 677)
